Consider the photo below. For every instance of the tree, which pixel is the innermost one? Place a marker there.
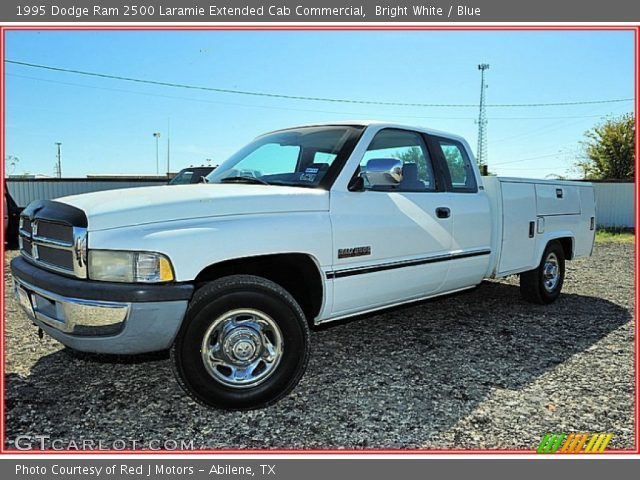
(453, 157)
(610, 150)
(414, 155)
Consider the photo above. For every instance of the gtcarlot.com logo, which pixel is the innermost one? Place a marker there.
(46, 442)
(574, 442)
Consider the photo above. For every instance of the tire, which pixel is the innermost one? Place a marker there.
(544, 284)
(256, 343)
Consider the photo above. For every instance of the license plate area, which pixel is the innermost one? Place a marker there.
(39, 307)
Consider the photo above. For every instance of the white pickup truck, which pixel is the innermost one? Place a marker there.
(301, 227)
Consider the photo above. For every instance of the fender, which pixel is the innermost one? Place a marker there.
(274, 267)
(192, 245)
(545, 238)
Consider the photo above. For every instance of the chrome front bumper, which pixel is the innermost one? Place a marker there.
(101, 317)
(74, 316)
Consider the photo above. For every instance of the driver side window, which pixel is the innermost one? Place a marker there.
(410, 149)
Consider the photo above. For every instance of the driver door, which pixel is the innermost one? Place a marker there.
(390, 241)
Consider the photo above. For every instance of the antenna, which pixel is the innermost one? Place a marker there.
(482, 122)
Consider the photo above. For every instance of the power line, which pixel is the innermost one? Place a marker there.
(550, 126)
(520, 160)
(301, 97)
(269, 107)
(293, 109)
(560, 151)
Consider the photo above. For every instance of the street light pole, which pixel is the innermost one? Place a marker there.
(157, 137)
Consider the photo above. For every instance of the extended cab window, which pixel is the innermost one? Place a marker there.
(409, 148)
(460, 170)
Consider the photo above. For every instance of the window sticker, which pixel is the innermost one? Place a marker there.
(309, 174)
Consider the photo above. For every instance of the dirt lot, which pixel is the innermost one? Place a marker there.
(478, 370)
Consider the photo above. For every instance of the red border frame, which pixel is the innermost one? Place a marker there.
(345, 27)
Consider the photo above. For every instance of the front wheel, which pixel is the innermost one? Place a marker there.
(543, 285)
(244, 344)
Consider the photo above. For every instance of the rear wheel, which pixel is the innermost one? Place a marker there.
(544, 284)
(244, 344)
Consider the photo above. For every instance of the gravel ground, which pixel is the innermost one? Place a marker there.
(479, 370)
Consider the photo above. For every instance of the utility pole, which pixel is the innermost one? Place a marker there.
(157, 137)
(482, 123)
(59, 164)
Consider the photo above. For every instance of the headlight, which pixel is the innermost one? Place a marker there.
(132, 267)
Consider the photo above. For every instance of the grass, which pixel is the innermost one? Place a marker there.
(615, 235)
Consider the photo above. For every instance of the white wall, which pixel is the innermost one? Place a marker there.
(24, 192)
(614, 204)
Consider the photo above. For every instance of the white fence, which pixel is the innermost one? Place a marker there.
(614, 204)
(25, 191)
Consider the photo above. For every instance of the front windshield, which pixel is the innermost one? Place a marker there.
(296, 157)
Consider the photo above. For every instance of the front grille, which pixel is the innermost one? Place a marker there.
(56, 257)
(54, 245)
(25, 226)
(55, 231)
(25, 246)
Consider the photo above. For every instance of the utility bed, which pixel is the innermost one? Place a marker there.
(528, 213)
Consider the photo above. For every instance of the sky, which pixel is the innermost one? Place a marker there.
(106, 126)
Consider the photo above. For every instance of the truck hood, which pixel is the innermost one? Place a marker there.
(135, 206)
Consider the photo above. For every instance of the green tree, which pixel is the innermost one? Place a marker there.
(453, 157)
(609, 150)
(414, 155)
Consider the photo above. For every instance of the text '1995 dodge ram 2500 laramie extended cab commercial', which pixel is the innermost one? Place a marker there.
(301, 227)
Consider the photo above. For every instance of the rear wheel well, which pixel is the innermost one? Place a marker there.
(295, 272)
(567, 246)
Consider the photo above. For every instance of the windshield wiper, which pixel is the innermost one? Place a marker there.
(240, 179)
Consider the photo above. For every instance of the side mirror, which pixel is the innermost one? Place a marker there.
(356, 184)
(382, 172)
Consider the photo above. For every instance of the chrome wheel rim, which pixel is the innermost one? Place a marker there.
(551, 272)
(242, 348)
